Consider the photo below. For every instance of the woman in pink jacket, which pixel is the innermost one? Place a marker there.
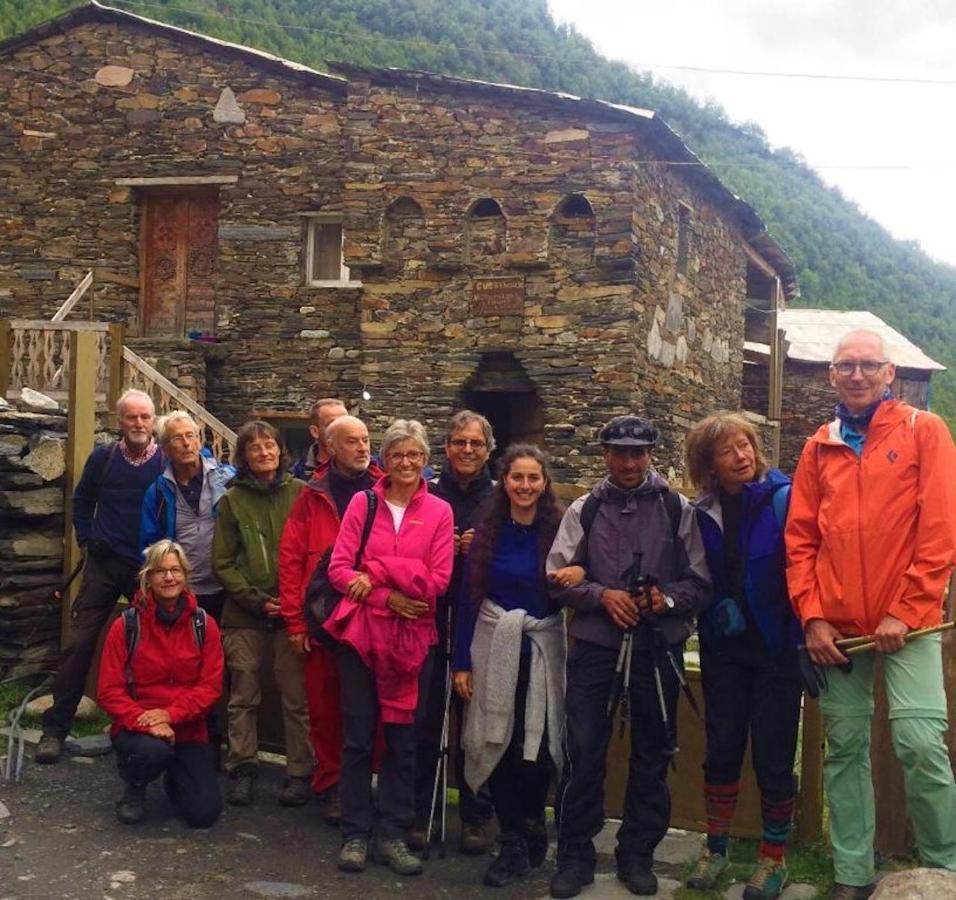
(385, 625)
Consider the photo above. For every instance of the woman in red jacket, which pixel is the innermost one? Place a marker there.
(385, 624)
(160, 674)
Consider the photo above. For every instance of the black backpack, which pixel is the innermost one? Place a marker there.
(131, 627)
(320, 597)
(590, 510)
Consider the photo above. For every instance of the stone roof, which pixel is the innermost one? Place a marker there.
(812, 335)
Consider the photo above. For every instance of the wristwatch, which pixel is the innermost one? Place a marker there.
(668, 601)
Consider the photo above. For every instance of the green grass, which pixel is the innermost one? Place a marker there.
(12, 694)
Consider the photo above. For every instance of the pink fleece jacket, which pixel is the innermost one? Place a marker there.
(417, 561)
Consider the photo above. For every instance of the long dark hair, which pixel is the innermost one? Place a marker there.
(496, 511)
(250, 432)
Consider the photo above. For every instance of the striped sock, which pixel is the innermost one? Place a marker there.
(777, 815)
(720, 801)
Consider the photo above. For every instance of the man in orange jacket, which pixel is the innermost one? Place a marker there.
(871, 537)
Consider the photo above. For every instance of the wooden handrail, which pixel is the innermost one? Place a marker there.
(73, 299)
(219, 429)
(49, 325)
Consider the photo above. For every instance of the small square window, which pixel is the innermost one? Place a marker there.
(324, 261)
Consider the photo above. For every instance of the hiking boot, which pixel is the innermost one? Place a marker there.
(132, 805)
(768, 881)
(395, 854)
(638, 877)
(353, 855)
(570, 878)
(49, 750)
(241, 787)
(707, 871)
(474, 841)
(509, 865)
(851, 892)
(536, 839)
(417, 838)
(295, 791)
(331, 804)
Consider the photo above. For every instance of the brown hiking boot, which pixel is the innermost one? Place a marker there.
(49, 750)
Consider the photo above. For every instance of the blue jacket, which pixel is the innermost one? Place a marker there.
(158, 514)
(764, 560)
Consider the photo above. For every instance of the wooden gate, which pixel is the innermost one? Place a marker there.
(179, 262)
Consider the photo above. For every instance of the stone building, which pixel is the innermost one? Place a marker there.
(419, 240)
(811, 336)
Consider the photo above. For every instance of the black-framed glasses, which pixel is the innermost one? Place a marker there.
(463, 443)
(866, 366)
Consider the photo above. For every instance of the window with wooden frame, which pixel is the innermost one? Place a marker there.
(324, 260)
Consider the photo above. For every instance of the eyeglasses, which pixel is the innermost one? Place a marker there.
(187, 437)
(464, 443)
(867, 366)
(413, 456)
(173, 572)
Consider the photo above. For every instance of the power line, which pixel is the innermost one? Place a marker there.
(485, 51)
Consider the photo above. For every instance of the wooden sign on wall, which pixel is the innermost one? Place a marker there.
(497, 297)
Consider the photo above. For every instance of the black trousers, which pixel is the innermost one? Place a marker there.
(519, 787)
(647, 803)
(746, 690)
(394, 809)
(213, 604)
(105, 580)
(474, 809)
(191, 783)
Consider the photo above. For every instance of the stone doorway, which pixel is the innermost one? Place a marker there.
(502, 392)
(179, 261)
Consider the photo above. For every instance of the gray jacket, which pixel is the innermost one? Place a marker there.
(628, 522)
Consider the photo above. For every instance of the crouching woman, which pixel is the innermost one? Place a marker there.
(509, 660)
(160, 675)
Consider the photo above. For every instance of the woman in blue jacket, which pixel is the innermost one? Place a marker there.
(748, 640)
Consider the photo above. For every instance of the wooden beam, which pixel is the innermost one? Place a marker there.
(111, 277)
(47, 325)
(181, 181)
(73, 299)
(5, 360)
(810, 796)
(79, 444)
(115, 384)
(759, 261)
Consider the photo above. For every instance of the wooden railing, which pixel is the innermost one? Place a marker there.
(137, 373)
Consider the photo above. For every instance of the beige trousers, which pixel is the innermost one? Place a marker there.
(246, 651)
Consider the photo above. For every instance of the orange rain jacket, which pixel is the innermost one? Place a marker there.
(876, 534)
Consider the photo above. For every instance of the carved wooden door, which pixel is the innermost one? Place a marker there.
(180, 250)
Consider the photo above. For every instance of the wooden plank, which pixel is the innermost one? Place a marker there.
(47, 325)
(5, 361)
(809, 818)
(111, 277)
(115, 384)
(79, 444)
(73, 299)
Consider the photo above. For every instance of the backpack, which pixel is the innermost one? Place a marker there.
(321, 597)
(590, 510)
(131, 627)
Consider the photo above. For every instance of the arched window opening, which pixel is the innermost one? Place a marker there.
(486, 230)
(576, 206)
(405, 237)
(572, 233)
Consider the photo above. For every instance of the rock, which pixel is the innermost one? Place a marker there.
(114, 76)
(4, 812)
(917, 884)
(42, 502)
(31, 544)
(85, 711)
(12, 446)
(4, 403)
(34, 400)
(123, 876)
(89, 745)
(278, 889)
(228, 111)
(47, 458)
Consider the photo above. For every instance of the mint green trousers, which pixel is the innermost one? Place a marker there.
(917, 712)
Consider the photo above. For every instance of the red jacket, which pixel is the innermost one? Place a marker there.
(168, 672)
(418, 562)
(310, 529)
(875, 534)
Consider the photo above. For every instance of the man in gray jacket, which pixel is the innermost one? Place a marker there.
(630, 519)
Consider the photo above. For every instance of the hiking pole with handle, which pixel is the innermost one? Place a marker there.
(854, 645)
(441, 763)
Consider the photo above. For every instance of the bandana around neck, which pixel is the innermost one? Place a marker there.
(860, 419)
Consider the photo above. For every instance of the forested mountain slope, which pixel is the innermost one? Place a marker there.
(844, 259)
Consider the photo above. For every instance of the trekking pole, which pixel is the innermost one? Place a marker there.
(853, 646)
(441, 763)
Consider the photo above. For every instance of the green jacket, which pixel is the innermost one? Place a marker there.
(245, 548)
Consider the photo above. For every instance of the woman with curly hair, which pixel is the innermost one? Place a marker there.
(509, 659)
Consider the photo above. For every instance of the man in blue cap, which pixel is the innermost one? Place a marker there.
(645, 580)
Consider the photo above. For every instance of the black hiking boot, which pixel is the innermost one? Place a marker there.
(510, 864)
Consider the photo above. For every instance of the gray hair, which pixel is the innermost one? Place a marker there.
(134, 394)
(338, 423)
(405, 430)
(462, 419)
(861, 332)
(177, 415)
(153, 556)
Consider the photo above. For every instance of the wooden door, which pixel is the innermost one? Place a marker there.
(180, 253)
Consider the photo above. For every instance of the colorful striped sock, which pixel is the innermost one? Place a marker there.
(720, 801)
(777, 815)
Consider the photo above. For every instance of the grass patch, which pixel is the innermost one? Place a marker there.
(12, 694)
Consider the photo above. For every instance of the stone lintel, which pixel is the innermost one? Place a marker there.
(177, 181)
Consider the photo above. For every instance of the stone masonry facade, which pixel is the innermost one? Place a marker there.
(478, 221)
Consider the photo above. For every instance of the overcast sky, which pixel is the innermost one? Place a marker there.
(905, 132)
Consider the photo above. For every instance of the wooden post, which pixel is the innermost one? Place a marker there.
(810, 797)
(775, 391)
(79, 444)
(5, 361)
(115, 387)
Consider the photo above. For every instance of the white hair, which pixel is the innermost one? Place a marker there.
(134, 394)
(862, 332)
(177, 415)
